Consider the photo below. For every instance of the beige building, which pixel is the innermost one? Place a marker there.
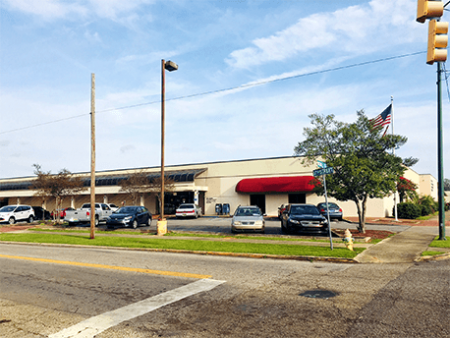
(267, 182)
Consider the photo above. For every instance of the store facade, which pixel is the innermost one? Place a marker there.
(267, 182)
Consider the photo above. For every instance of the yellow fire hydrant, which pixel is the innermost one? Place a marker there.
(348, 240)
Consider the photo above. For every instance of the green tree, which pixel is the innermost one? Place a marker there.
(363, 165)
(58, 186)
(140, 183)
(446, 184)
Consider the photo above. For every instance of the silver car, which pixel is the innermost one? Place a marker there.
(248, 218)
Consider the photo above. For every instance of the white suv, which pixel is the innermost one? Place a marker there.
(14, 213)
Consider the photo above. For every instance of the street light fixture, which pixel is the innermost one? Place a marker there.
(170, 66)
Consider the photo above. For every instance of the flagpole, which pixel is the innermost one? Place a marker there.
(393, 152)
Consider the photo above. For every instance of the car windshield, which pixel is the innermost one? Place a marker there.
(186, 206)
(7, 208)
(304, 210)
(248, 212)
(126, 210)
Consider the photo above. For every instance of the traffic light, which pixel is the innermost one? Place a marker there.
(437, 41)
(429, 9)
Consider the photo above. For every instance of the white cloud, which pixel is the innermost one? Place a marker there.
(47, 9)
(357, 30)
(57, 9)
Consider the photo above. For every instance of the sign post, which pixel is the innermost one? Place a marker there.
(322, 172)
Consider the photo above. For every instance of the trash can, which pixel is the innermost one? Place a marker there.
(218, 209)
(226, 209)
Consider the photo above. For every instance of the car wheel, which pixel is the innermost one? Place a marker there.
(12, 220)
(196, 216)
(134, 224)
(149, 222)
(96, 221)
(30, 219)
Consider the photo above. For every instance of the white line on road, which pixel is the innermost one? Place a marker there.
(94, 325)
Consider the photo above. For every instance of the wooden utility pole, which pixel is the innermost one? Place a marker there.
(92, 155)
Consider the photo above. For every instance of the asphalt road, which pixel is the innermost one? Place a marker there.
(260, 298)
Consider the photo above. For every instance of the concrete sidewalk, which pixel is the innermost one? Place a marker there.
(404, 247)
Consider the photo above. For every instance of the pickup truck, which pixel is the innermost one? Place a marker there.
(83, 215)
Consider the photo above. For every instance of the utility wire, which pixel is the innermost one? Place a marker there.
(249, 85)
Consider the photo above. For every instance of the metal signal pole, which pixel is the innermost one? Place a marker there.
(441, 200)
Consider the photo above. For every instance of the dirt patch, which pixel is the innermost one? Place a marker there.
(9, 228)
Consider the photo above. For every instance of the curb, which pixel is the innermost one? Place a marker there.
(433, 258)
(208, 253)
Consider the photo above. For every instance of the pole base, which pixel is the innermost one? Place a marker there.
(161, 227)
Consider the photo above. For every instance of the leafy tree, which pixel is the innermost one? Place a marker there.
(363, 166)
(446, 184)
(406, 190)
(140, 183)
(57, 186)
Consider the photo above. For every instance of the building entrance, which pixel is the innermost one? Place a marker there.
(260, 201)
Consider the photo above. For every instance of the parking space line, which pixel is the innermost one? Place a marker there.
(111, 267)
(95, 325)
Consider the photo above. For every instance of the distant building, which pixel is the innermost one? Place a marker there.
(266, 182)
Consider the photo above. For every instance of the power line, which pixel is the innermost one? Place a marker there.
(248, 85)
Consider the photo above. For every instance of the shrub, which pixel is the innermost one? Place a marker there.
(429, 206)
(408, 210)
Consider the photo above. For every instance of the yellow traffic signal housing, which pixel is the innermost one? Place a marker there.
(429, 9)
(437, 41)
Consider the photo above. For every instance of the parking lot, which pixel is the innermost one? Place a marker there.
(222, 224)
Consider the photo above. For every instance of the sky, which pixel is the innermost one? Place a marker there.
(250, 73)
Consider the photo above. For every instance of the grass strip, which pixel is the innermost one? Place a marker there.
(440, 244)
(97, 231)
(179, 234)
(191, 245)
(432, 253)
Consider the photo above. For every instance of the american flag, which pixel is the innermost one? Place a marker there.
(383, 119)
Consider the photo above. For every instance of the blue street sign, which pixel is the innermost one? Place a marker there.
(324, 171)
(321, 164)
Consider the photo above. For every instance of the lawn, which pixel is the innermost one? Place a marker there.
(189, 245)
(440, 244)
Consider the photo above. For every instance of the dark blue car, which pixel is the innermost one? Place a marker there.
(129, 216)
(334, 209)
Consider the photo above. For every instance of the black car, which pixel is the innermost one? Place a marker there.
(130, 216)
(303, 217)
(41, 214)
(334, 210)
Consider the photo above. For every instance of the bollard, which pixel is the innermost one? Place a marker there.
(161, 227)
(348, 240)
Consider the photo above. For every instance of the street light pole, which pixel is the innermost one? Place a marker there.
(170, 66)
(163, 99)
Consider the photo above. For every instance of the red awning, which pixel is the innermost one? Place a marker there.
(276, 184)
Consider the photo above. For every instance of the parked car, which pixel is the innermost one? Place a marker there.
(334, 210)
(62, 212)
(248, 218)
(281, 209)
(188, 210)
(303, 217)
(113, 206)
(40, 213)
(15, 213)
(130, 216)
(83, 215)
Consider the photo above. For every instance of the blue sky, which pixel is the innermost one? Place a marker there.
(49, 48)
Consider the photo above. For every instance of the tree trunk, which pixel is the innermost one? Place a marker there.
(362, 225)
(361, 214)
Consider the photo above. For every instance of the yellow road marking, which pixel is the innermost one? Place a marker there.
(112, 267)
